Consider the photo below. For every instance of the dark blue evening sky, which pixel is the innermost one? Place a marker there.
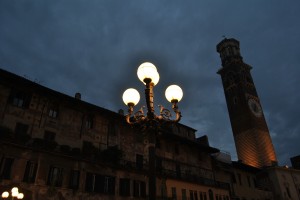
(94, 47)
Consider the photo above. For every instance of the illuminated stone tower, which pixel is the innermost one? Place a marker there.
(251, 134)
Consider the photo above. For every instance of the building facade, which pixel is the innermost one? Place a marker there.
(251, 134)
(295, 162)
(54, 146)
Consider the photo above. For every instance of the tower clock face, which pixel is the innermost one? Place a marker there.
(255, 107)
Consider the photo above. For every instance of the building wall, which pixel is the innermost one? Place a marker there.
(54, 146)
(190, 191)
(285, 182)
(245, 186)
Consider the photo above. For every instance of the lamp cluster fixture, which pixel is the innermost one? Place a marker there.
(148, 74)
(14, 194)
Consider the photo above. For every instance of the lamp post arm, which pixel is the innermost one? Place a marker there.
(176, 110)
(166, 115)
(137, 117)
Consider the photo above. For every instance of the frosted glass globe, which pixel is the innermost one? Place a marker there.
(131, 95)
(5, 194)
(148, 70)
(174, 92)
(20, 196)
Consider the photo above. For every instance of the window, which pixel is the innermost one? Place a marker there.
(178, 171)
(55, 176)
(74, 179)
(90, 182)
(21, 129)
(53, 111)
(124, 187)
(21, 132)
(139, 188)
(176, 149)
(210, 194)
(235, 100)
(195, 195)
(49, 136)
(191, 195)
(5, 170)
(233, 179)
(109, 185)
(288, 191)
(240, 179)
(159, 164)
(183, 191)
(112, 129)
(255, 182)
(174, 196)
(20, 99)
(157, 144)
(89, 122)
(249, 181)
(139, 161)
(204, 196)
(201, 196)
(30, 172)
(100, 184)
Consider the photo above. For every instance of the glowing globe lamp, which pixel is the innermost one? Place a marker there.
(174, 93)
(131, 96)
(148, 71)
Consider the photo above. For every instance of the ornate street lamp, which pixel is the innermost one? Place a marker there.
(151, 123)
(14, 194)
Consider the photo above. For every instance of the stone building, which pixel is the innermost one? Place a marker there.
(54, 146)
(295, 162)
(284, 182)
(242, 179)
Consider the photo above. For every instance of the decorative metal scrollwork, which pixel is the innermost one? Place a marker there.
(139, 115)
(165, 113)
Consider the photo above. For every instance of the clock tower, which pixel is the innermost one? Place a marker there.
(250, 131)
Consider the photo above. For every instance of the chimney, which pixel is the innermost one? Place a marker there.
(78, 96)
(121, 112)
